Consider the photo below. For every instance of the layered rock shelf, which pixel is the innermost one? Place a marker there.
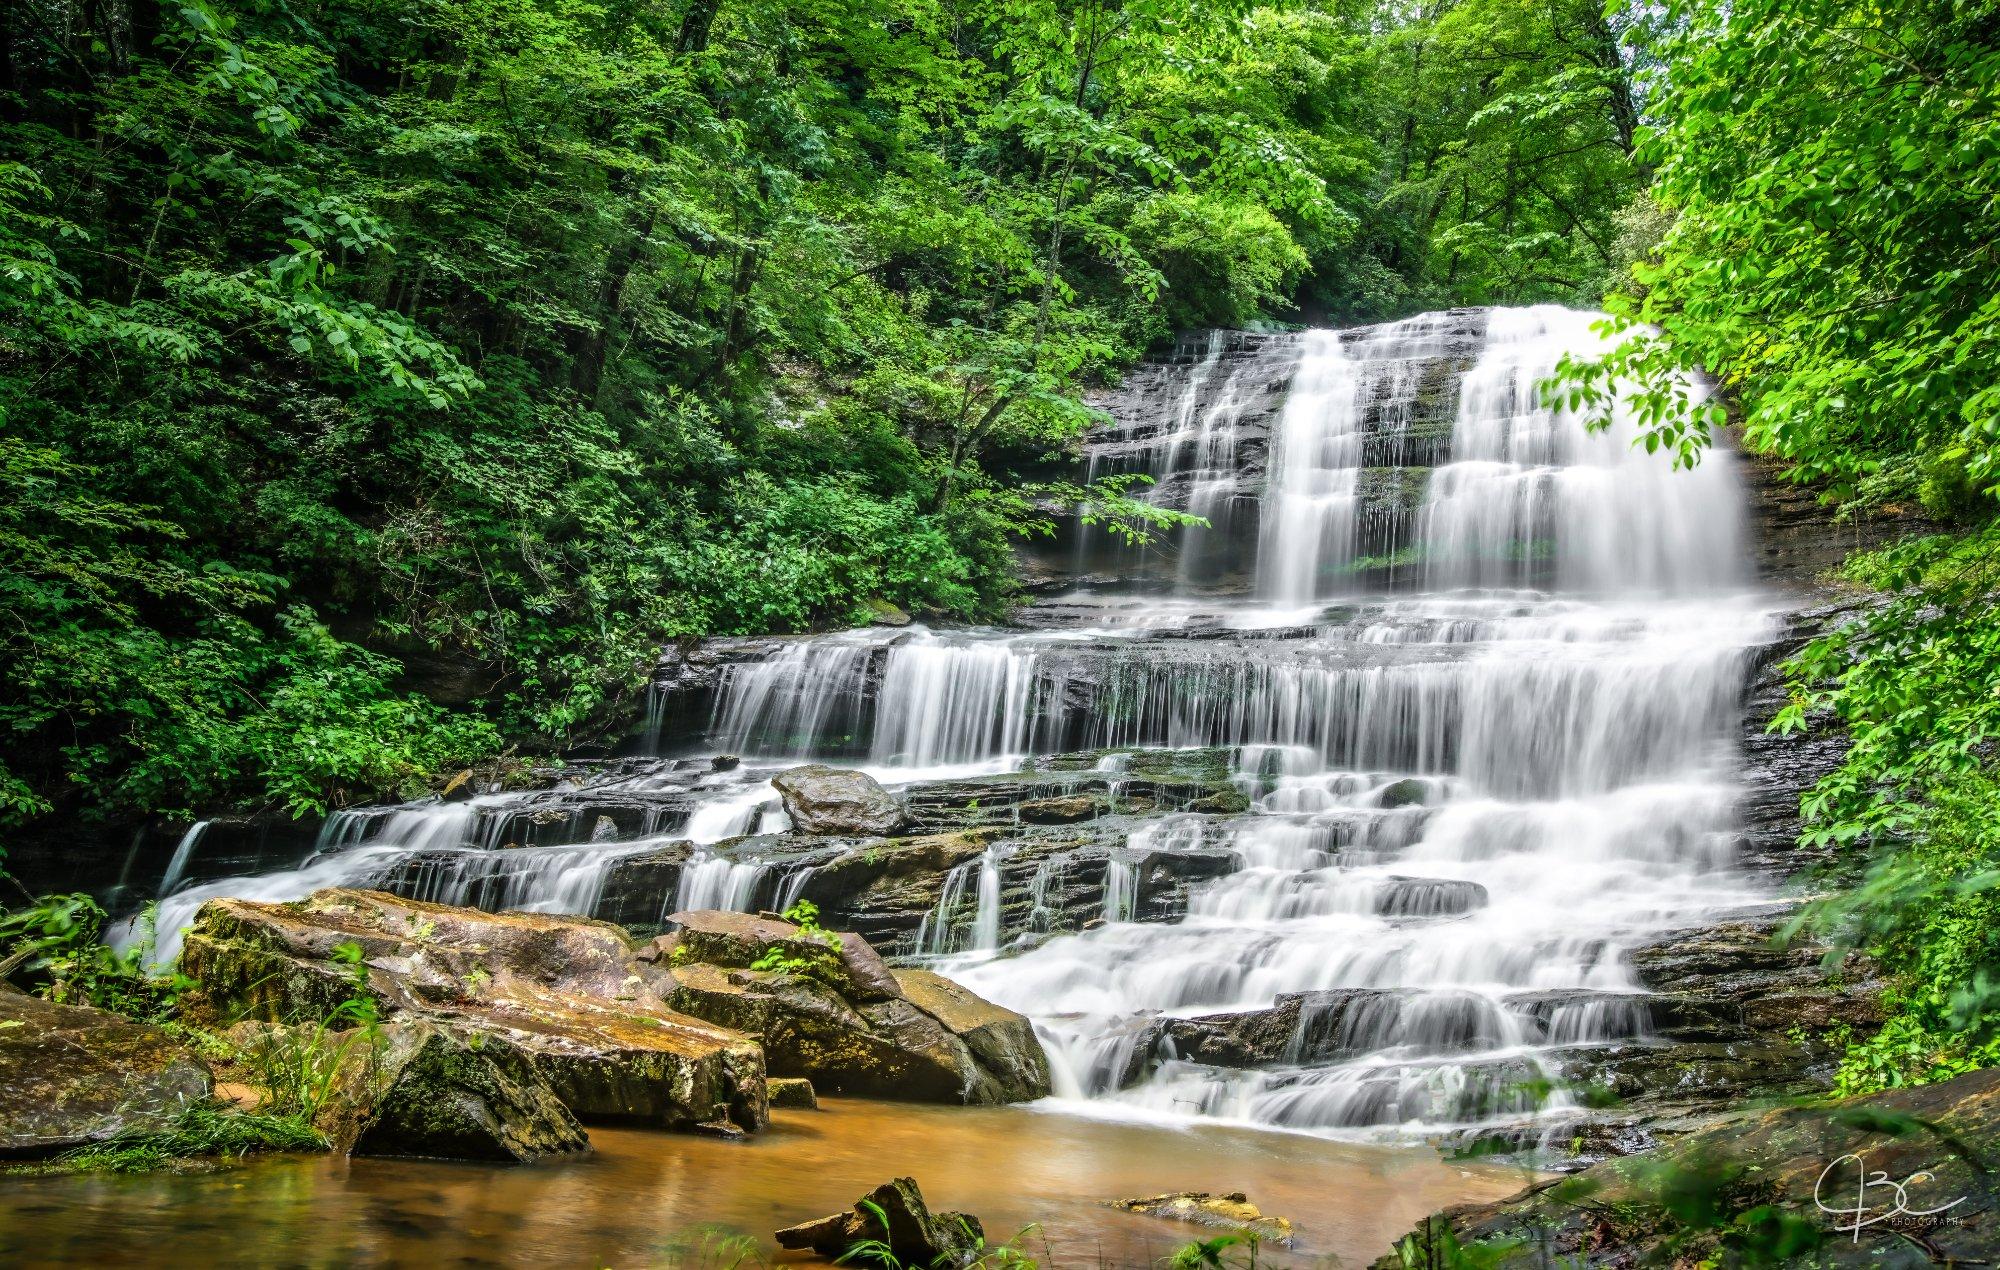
(495, 1034)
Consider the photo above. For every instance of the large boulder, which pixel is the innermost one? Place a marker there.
(893, 1214)
(829, 800)
(421, 1088)
(827, 1008)
(71, 1075)
(1003, 1042)
(575, 1000)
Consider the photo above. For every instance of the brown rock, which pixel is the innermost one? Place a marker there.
(1004, 1042)
(793, 1093)
(1061, 811)
(1233, 1211)
(572, 999)
(71, 1075)
(419, 1088)
(894, 1214)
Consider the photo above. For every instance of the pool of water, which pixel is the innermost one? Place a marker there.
(649, 1199)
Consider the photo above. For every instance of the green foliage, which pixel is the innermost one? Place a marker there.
(299, 1065)
(973, 1252)
(1914, 681)
(55, 942)
(351, 363)
(204, 1131)
(712, 1248)
(821, 962)
(1829, 169)
(1229, 1251)
(1709, 1205)
(1436, 1246)
(1819, 241)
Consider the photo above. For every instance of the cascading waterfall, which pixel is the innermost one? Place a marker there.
(1527, 489)
(493, 851)
(934, 936)
(1483, 702)
(1468, 799)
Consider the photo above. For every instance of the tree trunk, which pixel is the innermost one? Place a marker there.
(696, 25)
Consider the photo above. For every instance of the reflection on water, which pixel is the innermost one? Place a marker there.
(641, 1194)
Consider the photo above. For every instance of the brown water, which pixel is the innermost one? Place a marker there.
(642, 1199)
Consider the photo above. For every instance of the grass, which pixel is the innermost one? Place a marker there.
(204, 1131)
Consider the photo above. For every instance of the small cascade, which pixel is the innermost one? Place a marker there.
(177, 866)
(536, 851)
(733, 815)
(1121, 890)
(791, 888)
(1048, 873)
(940, 925)
(986, 918)
(710, 881)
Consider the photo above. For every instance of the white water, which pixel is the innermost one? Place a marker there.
(1566, 682)
(177, 866)
(1479, 783)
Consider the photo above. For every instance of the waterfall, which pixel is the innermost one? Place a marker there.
(1345, 422)
(986, 918)
(1506, 758)
(1528, 490)
(715, 882)
(934, 935)
(183, 853)
(1121, 890)
(1479, 670)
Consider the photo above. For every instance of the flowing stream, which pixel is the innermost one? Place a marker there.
(1478, 669)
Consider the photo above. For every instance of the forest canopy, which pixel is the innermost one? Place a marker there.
(382, 380)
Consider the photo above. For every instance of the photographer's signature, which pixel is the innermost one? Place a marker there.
(1873, 1197)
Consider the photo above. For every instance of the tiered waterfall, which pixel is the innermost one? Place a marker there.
(1476, 668)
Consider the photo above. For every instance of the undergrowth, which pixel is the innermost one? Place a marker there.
(204, 1131)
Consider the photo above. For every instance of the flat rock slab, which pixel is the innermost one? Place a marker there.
(71, 1075)
(1233, 1211)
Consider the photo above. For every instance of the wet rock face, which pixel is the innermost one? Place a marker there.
(1935, 1140)
(827, 800)
(71, 1076)
(739, 940)
(1778, 769)
(1053, 832)
(571, 1000)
